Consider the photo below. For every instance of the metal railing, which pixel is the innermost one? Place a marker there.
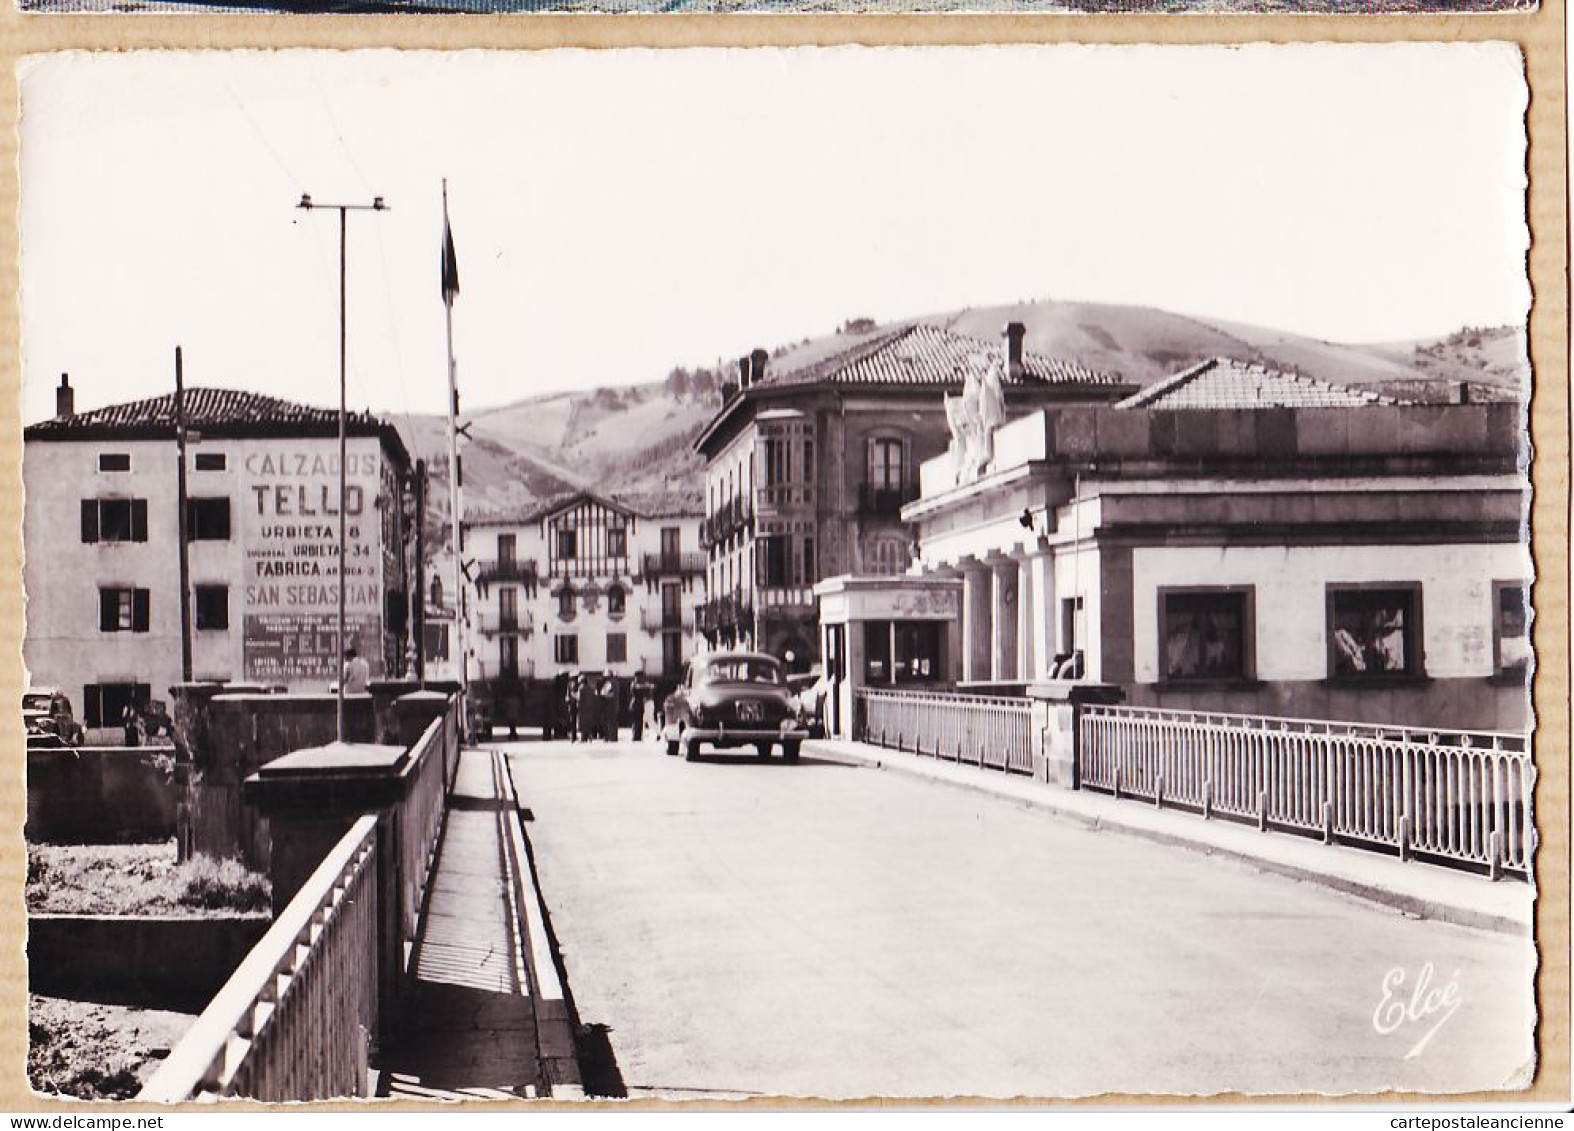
(492, 623)
(885, 501)
(672, 564)
(982, 730)
(295, 1020)
(1458, 796)
(429, 773)
(663, 620)
(521, 570)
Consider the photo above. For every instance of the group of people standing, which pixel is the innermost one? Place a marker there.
(589, 705)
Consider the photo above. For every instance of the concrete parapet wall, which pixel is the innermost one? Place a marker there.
(101, 794)
(155, 962)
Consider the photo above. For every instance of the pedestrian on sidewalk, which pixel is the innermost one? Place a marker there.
(607, 712)
(585, 690)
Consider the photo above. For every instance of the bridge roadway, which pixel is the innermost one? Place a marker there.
(736, 927)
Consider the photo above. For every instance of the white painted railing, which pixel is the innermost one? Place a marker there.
(983, 730)
(1447, 794)
(430, 772)
(294, 1021)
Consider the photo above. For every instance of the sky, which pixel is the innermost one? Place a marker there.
(617, 213)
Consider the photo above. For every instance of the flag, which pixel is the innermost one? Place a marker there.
(450, 262)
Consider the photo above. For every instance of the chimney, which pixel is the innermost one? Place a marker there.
(1014, 333)
(743, 372)
(757, 362)
(65, 397)
(729, 389)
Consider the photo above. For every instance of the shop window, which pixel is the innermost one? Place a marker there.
(1511, 627)
(565, 649)
(213, 606)
(917, 652)
(103, 704)
(1205, 634)
(122, 610)
(1374, 632)
(114, 520)
(617, 648)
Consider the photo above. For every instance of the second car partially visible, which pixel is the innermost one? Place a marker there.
(731, 699)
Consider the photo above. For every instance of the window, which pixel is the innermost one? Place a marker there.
(1205, 634)
(213, 606)
(617, 601)
(565, 649)
(508, 657)
(885, 464)
(209, 461)
(437, 591)
(808, 461)
(617, 648)
(122, 610)
(507, 608)
(567, 544)
(808, 573)
(436, 642)
(670, 536)
(1511, 628)
(617, 542)
(208, 520)
(1374, 632)
(114, 520)
(565, 602)
(773, 563)
(507, 544)
(887, 556)
(103, 703)
(114, 461)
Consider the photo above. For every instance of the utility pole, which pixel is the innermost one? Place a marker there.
(419, 609)
(182, 518)
(344, 210)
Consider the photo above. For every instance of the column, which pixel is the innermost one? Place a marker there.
(1041, 579)
(1004, 621)
(977, 630)
(1027, 611)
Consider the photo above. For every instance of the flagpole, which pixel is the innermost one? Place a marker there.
(453, 470)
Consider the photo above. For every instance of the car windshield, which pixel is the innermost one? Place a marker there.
(36, 702)
(741, 670)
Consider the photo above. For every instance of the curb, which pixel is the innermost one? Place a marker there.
(556, 1049)
(1457, 912)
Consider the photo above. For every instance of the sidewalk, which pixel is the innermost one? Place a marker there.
(1424, 890)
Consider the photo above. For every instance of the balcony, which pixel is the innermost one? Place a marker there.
(490, 622)
(885, 502)
(724, 614)
(730, 518)
(783, 496)
(664, 620)
(511, 571)
(673, 565)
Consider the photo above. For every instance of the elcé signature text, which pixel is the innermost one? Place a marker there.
(1409, 1003)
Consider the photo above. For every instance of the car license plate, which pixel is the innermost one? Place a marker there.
(750, 711)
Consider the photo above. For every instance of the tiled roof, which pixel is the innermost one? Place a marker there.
(920, 354)
(1226, 382)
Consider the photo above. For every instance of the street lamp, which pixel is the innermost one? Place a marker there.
(344, 210)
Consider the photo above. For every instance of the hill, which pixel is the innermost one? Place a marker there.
(635, 439)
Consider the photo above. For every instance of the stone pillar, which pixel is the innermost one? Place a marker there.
(1004, 598)
(414, 712)
(977, 624)
(1054, 725)
(1040, 577)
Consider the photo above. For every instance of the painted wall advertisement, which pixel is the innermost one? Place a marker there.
(291, 547)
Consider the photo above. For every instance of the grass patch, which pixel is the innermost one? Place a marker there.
(137, 879)
(93, 1051)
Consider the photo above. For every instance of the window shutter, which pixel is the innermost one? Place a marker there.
(139, 520)
(108, 610)
(139, 610)
(90, 520)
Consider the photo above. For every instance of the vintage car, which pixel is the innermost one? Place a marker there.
(47, 715)
(732, 699)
